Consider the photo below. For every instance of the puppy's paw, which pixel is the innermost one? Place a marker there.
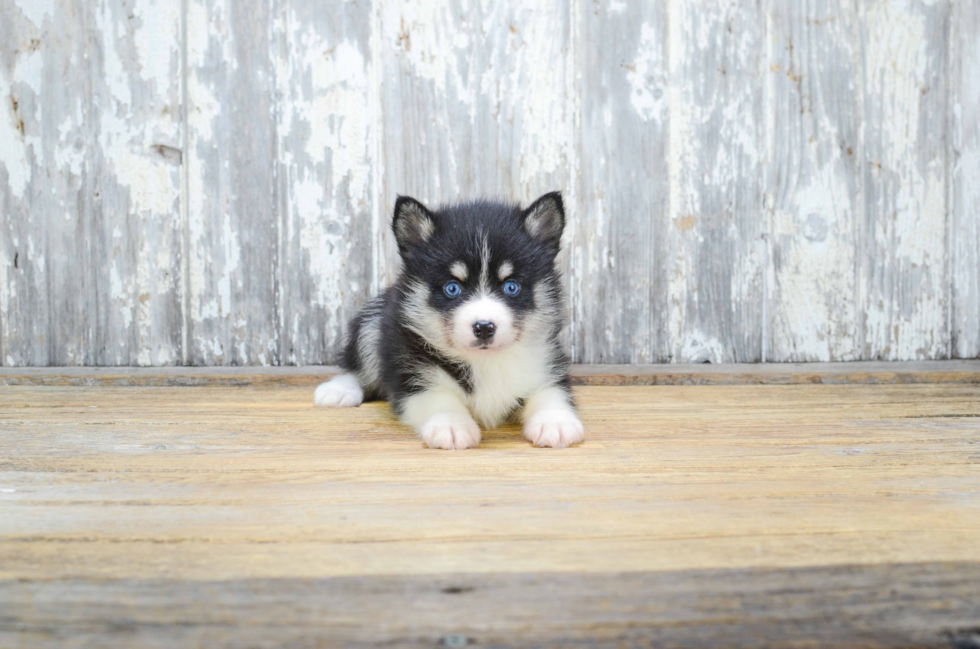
(339, 392)
(450, 431)
(555, 428)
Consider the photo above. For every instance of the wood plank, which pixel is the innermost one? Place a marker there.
(904, 265)
(856, 373)
(284, 233)
(91, 147)
(921, 605)
(964, 165)
(781, 515)
(28, 139)
(620, 246)
(716, 153)
(814, 180)
(327, 130)
(475, 102)
(233, 207)
(221, 483)
(137, 184)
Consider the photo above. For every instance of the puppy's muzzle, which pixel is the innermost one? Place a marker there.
(484, 330)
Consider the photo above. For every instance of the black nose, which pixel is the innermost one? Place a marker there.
(484, 329)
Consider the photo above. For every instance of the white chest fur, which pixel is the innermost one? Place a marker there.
(500, 380)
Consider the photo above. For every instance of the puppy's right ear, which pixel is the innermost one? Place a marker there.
(412, 223)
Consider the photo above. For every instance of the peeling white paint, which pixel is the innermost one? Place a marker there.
(156, 36)
(326, 251)
(122, 298)
(701, 348)
(326, 153)
(421, 32)
(714, 159)
(29, 70)
(36, 11)
(458, 98)
(816, 292)
(150, 183)
(207, 28)
(205, 109)
(683, 148)
(232, 257)
(337, 116)
(906, 315)
(13, 153)
(69, 155)
(648, 97)
(213, 245)
(142, 294)
(538, 66)
(116, 76)
(964, 181)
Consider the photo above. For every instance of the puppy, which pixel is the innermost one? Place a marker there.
(468, 335)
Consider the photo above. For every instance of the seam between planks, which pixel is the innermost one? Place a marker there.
(571, 195)
(768, 202)
(855, 373)
(280, 191)
(376, 119)
(950, 212)
(184, 186)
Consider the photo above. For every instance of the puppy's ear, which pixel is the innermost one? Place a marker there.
(545, 219)
(412, 223)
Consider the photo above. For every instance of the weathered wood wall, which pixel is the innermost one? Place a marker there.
(208, 181)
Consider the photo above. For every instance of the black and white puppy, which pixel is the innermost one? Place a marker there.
(468, 335)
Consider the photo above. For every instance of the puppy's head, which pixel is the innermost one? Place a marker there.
(479, 276)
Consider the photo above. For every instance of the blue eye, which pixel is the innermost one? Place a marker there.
(452, 289)
(512, 288)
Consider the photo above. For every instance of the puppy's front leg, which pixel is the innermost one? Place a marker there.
(441, 419)
(550, 419)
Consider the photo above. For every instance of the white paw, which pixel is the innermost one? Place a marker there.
(450, 431)
(556, 428)
(339, 392)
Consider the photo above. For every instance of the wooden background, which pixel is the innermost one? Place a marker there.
(208, 182)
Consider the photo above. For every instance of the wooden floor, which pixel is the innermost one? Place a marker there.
(756, 515)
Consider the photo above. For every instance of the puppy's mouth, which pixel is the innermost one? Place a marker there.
(485, 345)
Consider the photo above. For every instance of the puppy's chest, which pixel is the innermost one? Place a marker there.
(500, 383)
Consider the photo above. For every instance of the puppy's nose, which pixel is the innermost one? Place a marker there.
(484, 329)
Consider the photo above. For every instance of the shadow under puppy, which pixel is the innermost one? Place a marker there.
(468, 334)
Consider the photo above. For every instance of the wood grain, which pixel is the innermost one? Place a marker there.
(815, 71)
(890, 605)
(209, 182)
(326, 173)
(232, 213)
(29, 308)
(125, 509)
(964, 164)
(718, 248)
(903, 268)
(619, 264)
(90, 158)
(854, 373)
(475, 100)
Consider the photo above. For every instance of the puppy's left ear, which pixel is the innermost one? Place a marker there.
(545, 219)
